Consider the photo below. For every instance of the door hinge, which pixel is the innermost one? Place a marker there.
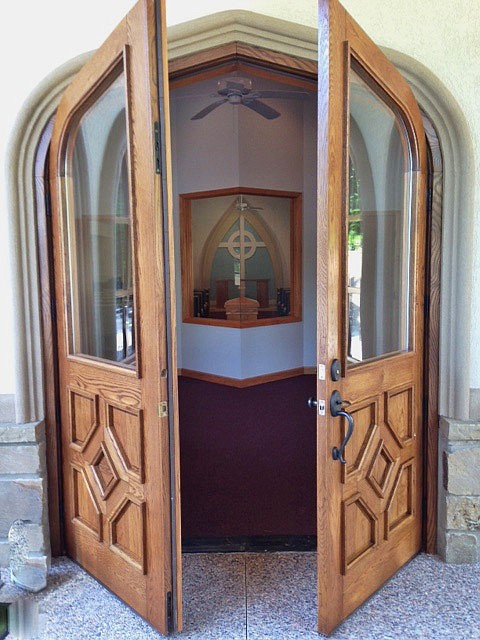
(48, 206)
(53, 309)
(426, 306)
(163, 410)
(424, 411)
(58, 414)
(156, 135)
(169, 603)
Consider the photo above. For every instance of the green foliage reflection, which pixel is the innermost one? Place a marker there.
(355, 236)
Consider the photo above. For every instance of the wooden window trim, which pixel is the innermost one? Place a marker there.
(234, 54)
(113, 69)
(295, 257)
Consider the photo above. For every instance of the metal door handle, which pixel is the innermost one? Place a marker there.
(336, 404)
(337, 452)
(312, 403)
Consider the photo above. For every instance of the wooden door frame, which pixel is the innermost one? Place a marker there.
(179, 70)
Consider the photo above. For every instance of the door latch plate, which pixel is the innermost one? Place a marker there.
(321, 407)
(163, 410)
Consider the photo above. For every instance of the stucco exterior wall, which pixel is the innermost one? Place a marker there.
(38, 37)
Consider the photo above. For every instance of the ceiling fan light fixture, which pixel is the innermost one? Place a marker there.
(238, 91)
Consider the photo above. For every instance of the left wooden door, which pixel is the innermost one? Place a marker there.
(109, 185)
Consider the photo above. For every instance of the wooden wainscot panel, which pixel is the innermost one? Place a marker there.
(399, 403)
(86, 512)
(126, 529)
(359, 531)
(126, 433)
(83, 417)
(380, 469)
(104, 472)
(358, 449)
(401, 504)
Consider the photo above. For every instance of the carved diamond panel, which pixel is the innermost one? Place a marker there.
(83, 417)
(399, 414)
(86, 512)
(380, 469)
(400, 503)
(125, 427)
(359, 530)
(104, 472)
(127, 532)
(357, 449)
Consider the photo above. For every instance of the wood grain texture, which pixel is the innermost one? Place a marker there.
(432, 332)
(369, 511)
(116, 471)
(49, 338)
(329, 206)
(246, 382)
(172, 374)
(233, 54)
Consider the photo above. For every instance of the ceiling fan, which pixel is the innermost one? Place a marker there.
(238, 91)
(242, 205)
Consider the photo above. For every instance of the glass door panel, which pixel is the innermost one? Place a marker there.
(99, 231)
(379, 227)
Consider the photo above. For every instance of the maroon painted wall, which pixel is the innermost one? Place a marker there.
(247, 459)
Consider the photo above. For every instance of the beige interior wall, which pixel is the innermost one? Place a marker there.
(234, 147)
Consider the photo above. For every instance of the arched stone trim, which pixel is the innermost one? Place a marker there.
(243, 26)
(31, 121)
(458, 216)
(455, 139)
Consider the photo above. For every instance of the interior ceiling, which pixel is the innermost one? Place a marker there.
(202, 92)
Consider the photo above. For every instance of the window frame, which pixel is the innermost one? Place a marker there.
(118, 66)
(185, 208)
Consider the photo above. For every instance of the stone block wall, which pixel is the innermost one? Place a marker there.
(23, 490)
(459, 491)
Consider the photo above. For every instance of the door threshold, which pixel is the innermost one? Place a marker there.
(251, 544)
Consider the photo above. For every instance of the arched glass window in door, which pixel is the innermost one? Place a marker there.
(99, 230)
(379, 225)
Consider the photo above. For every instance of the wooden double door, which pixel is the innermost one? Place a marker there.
(113, 229)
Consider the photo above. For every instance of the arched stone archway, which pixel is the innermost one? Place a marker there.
(441, 108)
(455, 141)
(37, 112)
(436, 101)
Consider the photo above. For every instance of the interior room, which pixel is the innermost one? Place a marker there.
(244, 181)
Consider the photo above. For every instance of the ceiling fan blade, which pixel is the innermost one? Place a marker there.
(261, 108)
(193, 96)
(204, 112)
(299, 95)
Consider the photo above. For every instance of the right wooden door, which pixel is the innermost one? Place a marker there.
(371, 221)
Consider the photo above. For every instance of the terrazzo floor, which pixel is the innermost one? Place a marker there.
(254, 596)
